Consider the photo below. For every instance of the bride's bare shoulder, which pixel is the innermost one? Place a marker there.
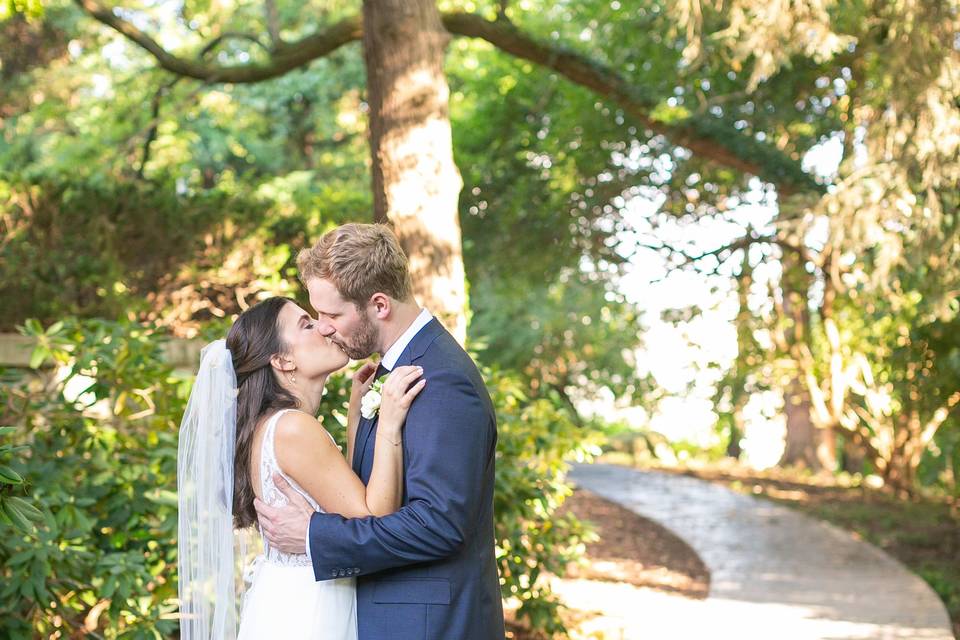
(297, 430)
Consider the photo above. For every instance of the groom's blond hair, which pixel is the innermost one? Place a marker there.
(359, 260)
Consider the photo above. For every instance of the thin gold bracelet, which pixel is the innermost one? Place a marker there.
(396, 444)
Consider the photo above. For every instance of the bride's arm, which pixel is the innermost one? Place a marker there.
(307, 454)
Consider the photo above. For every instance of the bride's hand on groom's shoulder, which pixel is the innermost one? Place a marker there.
(285, 527)
(363, 379)
(402, 386)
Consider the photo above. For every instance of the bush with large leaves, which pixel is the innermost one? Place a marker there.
(102, 469)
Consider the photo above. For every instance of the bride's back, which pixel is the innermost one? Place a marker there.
(263, 466)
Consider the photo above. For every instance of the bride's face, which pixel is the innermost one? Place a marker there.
(312, 353)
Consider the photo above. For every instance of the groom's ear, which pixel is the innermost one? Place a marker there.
(381, 304)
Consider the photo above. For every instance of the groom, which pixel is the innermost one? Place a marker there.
(427, 571)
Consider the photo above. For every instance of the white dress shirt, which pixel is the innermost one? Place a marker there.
(393, 353)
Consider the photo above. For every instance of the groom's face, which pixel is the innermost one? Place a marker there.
(348, 327)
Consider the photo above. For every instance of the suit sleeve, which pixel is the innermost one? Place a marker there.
(448, 443)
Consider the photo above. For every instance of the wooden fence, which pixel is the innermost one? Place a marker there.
(15, 351)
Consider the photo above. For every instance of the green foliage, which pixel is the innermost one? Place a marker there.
(534, 175)
(908, 409)
(98, 250)
(536, 440)
(14, 510)
(101, 469)
(28, 8)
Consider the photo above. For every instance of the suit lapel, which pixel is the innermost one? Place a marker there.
(414, 349)
(363, 430)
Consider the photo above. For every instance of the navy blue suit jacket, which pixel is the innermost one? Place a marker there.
(427, 571)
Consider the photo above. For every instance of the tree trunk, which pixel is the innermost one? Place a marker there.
(737, 430)
(806, 445)
(900, 473)
(415, 181)
(746, 350)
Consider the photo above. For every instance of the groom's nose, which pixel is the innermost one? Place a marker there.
(326, 329)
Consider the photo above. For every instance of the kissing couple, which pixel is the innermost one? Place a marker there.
(395, 540)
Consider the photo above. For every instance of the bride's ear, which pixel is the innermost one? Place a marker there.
(282, 363)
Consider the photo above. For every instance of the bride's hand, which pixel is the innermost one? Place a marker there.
(363, 379)
(397, 394)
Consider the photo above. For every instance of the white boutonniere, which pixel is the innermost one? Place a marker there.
(370, 402)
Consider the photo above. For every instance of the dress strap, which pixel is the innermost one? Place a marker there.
(272, 427)
(272, 424)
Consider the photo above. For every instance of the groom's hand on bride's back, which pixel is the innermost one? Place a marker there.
(285, 527)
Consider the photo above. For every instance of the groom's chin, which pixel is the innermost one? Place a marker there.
(352, 354)
(348, 355)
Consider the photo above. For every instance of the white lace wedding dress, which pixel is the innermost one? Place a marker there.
(284, 600)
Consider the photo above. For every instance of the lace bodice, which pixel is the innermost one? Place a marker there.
(272, 495)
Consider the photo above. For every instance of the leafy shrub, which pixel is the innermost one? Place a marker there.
(14, 510)
(537, 438)
(95, 249)
(102, 470)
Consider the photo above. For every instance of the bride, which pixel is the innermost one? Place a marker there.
(249, 417)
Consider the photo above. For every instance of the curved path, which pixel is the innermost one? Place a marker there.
(775, 573)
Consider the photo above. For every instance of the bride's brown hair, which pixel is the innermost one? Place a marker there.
(253, 340)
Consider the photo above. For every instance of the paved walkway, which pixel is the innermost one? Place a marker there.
(775, 573)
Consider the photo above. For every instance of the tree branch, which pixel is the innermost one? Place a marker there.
(290, 56)
(273, 22)
(705, 136)
(231, 35)
(687, 259)
(161, 91)
(938, 418)
(154, 126)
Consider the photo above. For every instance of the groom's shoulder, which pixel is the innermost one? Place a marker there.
(444, 349)
(447, 355)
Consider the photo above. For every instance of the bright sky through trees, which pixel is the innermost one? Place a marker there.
(679, 355)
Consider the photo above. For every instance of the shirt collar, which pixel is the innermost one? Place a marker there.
(390, 358)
